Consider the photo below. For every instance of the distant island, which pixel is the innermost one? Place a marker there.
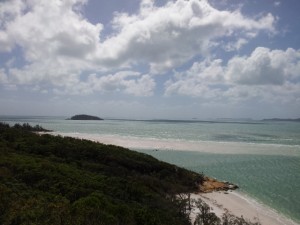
(84, 117)
(280, 119)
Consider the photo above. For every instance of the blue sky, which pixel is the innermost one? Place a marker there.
(146, 59)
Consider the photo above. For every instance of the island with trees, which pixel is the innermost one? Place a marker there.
(84, 117)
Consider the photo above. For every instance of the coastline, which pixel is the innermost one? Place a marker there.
(236, 203)
(239, 205)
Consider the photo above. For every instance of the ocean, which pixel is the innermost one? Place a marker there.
(262, 157)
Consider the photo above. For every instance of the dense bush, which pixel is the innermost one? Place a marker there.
(206, 217)
(48, 179)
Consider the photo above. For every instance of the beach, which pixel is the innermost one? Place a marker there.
(239, 205)
(234, 202)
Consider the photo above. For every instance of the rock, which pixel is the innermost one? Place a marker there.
(210, 185)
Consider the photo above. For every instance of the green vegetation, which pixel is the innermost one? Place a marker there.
(206, 217)
(47, 179)
(27, 127)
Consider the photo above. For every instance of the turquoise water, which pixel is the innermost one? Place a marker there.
(271, 178)
(281, 133)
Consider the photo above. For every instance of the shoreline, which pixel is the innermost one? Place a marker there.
(223, 197)
(239, 204)
(236, 203)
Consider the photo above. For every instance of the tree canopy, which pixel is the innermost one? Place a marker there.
(47, 179)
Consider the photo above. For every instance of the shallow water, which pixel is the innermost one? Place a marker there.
(281, 133)
(271, 179)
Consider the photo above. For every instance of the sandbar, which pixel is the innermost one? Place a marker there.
(183, 145)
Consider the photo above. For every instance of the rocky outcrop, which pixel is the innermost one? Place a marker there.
(210, 185)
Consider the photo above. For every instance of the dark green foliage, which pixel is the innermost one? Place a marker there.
(229, 219)
(206, 217)
(53, 180)
(27, 127)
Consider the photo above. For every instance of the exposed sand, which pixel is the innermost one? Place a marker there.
(235, 202)
(199, 146)
(240, 205)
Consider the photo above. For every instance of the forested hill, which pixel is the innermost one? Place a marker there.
(48, 179)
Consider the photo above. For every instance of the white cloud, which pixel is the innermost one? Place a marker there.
(53, 29)
(56, 40)
(266, 75)
(234, 46)
(127, 81)
(9, 10)
(196, 81)
(54, 72)
(60, 45)
(141, 87)
(5, 82)
(264, 67)
(3, 77)
(285, 94)
(167, 36)
(5, 42)
(277, 3)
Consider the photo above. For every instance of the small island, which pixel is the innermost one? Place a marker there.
(84, 117)
(282, 120)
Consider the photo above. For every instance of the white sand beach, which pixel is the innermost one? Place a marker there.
(234, 202)
(240, 205)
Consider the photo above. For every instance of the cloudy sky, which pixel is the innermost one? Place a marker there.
(148, 59)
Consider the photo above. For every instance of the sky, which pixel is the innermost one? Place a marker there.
(150, 59)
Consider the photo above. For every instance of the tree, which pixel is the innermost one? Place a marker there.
(229, 219)
(205, 216)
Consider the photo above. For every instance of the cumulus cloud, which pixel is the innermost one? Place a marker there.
(55, 38)
(53, 28)
(269, 75)
(197, 80)
(60, 47)
(264, 67)
(143, 86)
(127, 81)
(9, 10)
(167, 36)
